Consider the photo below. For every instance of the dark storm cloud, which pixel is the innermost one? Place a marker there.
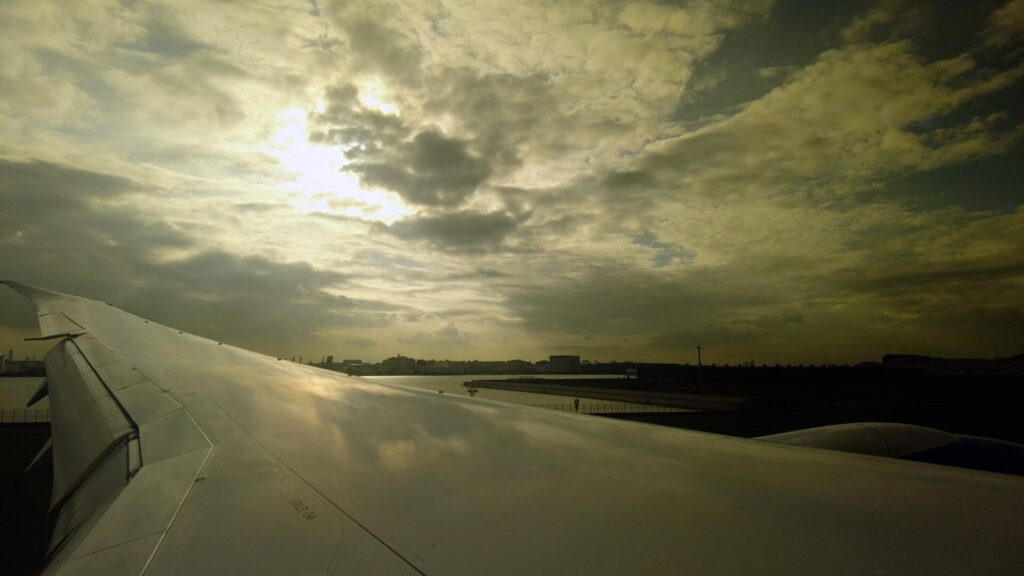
(499, 118)
(627, 181)
(628, 300)
(936, 278)
(964, 309)
(425, 167)
(430, 170)
(257, 207)
(361, 132)
(502, 113)
(977, 297)
(48, 182)
(731, 329)
(272, 306)
(67, 229)
(376, 48)
(464, 231)
(214, 275)
(479, 274)
(910, 295)
(52, 209)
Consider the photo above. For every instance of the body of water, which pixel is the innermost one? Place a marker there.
(453, 385)
(15, 392)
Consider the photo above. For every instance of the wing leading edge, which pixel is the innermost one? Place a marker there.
(192, 457)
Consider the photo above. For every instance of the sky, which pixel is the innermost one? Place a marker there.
(776, 181)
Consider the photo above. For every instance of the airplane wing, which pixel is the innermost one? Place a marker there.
(174, 454)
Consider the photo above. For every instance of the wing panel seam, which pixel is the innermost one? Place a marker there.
(314, 488)
(124, 412)
(177, 510)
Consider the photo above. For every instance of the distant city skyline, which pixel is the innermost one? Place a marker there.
(776, 180)
(569, 364)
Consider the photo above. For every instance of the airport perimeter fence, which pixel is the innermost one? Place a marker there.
(24, 415)
(608, 408)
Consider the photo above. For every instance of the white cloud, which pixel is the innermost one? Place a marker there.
(528, 161)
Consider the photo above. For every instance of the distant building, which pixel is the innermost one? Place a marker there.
(564, 364)
(360, 369)
(933, 365)
(24, 367)
(519, 366)
(399, 365)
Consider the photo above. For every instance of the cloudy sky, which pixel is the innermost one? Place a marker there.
(778, 181)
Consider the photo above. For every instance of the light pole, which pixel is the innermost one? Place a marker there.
(700, 370)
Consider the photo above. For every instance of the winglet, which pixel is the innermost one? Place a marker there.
(53, 322)
(34, 293)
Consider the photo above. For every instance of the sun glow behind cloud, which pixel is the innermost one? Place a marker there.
(373, 95)
(318, 176)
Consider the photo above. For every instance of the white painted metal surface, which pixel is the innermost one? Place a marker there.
(251, 465)
(876, 438)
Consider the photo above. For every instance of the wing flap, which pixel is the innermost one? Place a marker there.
(87, 422)
(56, 324)
(87, 499)
(147, 506)
(152, 452)
(125, 453)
